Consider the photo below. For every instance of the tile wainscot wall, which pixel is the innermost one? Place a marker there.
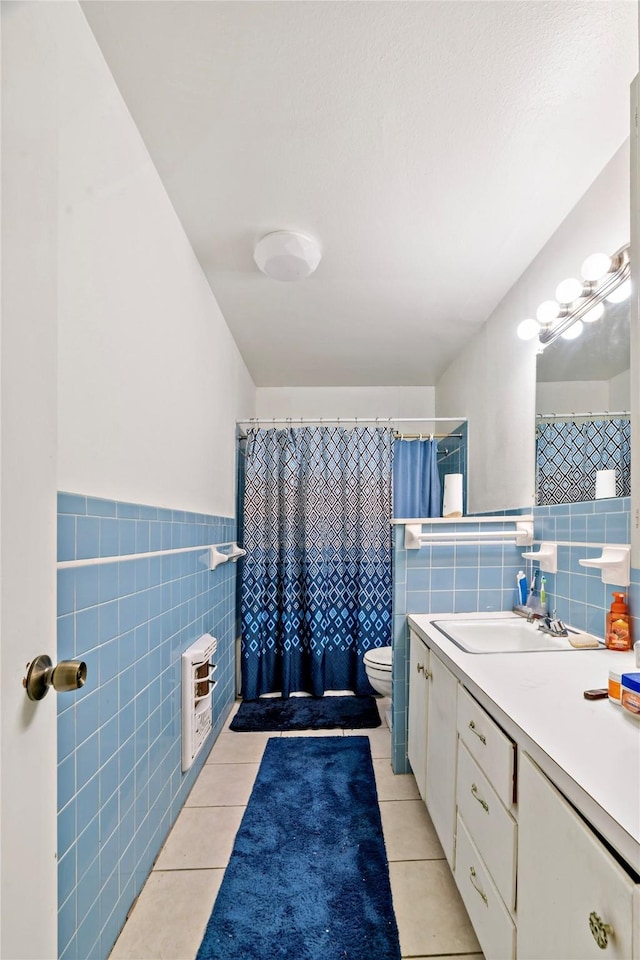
(466, 579)
(120, 783)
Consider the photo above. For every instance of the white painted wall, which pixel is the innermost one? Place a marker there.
(150, 379)
(492, 382)
(28, 837)
(620, 391)
(573, 396)
(580, 396)
(314, 402)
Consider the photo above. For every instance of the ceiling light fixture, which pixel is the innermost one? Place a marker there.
(605, 278)
(286, 255)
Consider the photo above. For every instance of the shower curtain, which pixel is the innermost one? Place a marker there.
(568, 454)
(316, 580)
(416, 482)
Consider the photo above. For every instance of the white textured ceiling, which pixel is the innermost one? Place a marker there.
(432, 147)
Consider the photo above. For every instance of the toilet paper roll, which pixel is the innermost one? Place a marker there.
(452, 499)
(605, 484)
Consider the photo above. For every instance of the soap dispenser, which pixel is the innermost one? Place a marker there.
(618, 632)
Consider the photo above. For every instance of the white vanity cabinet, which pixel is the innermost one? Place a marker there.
(432, 738)
(575, 901)
(535, 863)
(441, 754)
(419, 656)
(486, 835)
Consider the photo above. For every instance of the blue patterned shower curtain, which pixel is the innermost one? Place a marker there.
(316, 580)
(568, 454)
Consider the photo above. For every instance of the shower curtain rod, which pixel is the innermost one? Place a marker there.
(427, 436)
(589, 413)
(256, 421)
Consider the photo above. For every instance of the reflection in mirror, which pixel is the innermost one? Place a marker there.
(582, 411)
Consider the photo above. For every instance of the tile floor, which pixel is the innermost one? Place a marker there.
(168, 919)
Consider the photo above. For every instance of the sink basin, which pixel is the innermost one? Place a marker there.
(503, 635)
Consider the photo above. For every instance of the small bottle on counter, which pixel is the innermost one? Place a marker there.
(630, 693)
(636, 648)
(615, 693)
(618, 632)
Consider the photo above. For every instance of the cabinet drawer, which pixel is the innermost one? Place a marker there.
(490, 747)
(493, 926)
(491, 826)
(567, 880)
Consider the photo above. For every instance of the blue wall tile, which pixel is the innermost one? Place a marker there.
(87, 538)
(120, 784)
(97, 507)
(465, 579)
(66, 537)
(72, 503)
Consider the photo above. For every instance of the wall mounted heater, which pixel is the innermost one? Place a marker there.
(197, 696)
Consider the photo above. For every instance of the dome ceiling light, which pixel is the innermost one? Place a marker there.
(286, 255)
(604, 278)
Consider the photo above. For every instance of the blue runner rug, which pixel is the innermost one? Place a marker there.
(308, 877)
(306, 713)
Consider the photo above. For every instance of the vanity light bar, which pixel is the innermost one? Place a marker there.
(555, 319)
(606, 286)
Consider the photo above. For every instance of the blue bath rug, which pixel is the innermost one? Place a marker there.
(308, 877)
(306, 713)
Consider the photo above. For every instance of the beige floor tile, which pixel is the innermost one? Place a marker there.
(379, 739)
(383, 704)
(313, 733)
(223, 784)
(391, 786)
(169, 919)
(451, 956)
(232, 713)
(408, 831)
(431, 917)
(202, 837)
(239, 747)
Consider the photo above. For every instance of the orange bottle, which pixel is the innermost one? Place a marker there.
(618, 635)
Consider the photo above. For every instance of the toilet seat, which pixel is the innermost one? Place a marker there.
(381, 658)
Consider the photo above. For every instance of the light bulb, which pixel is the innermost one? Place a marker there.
(596, 266)
(569, 290)
(547, 312)
(528, 329)
(573, 331)
(620, 293)
(594, 314)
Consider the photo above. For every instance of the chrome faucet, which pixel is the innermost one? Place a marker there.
(553, 626)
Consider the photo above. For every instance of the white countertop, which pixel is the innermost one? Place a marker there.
(589, 749)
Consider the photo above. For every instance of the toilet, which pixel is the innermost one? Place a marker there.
(377, 664)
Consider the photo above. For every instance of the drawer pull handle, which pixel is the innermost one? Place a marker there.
(481, 737)
(472, 877)
(428, 674)
(600, 931)
(420, 667)
(483, 803)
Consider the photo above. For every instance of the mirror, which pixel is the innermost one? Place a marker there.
(587, 375)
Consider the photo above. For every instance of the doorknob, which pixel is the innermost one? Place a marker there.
(41, 674)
